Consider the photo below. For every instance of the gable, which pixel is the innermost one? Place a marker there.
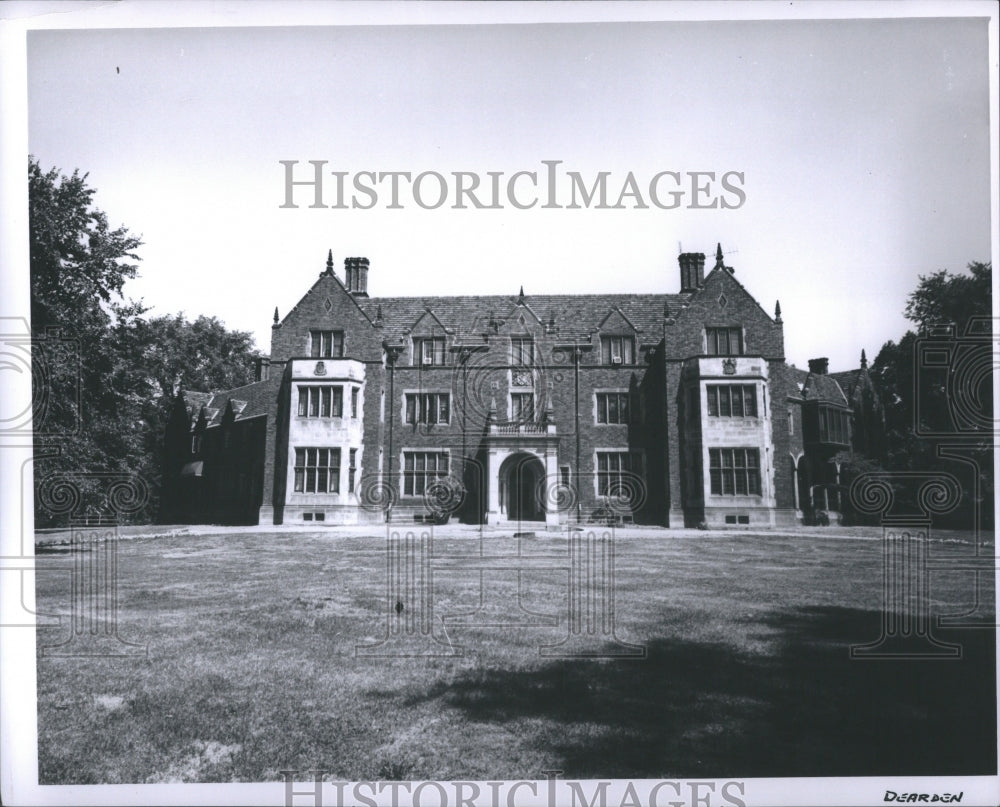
(327, 306)
(428, 324)
(723, 302)
(615, 322)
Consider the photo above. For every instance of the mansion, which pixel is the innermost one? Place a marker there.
(671, 409)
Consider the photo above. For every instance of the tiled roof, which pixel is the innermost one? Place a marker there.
(248, 401)
(847, 380)
(575, 315)
(193, 402)
(815, 387)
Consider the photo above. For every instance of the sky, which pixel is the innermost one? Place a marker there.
(862, 144)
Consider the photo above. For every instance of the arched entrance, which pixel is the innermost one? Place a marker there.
(521, 481)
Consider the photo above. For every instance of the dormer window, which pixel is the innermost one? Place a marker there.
(724, 341)
(617, 350)
(327, 344)
(429, 350)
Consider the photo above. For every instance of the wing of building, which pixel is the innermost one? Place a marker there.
(671, 409)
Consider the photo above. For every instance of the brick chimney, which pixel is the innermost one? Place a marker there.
(692, 270)
(819, 366)
(261, 368)
(356, 276)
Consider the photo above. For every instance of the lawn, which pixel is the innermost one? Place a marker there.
(252, 667)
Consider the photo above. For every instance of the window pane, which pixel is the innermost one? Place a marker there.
(314, 344)
(411, 412)
(445, 409)
(750, 401)
(303, 400)
(408, 461)
(321, 480)
(324, 409)
(623, 407)
(613, 409)
(714, 458)
(724, 408)
(627, 350)
(322, 456)
(354, 402)
(310, 480)
(713, 401)
(737, 396)
(313, 401)
(299, 477)
(338, 344)
(338, 402)
(602, 408)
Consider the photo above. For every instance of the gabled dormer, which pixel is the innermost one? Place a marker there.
(616, 339)
(428, 340)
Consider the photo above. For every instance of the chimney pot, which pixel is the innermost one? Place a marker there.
(819, 366)
(356, 274)
(261, 368)
(692, 270)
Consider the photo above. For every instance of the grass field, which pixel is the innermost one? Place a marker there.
(251, 666)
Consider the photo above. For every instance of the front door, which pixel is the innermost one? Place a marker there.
(522, 491)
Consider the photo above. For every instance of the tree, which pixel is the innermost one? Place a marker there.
(917, 400)
(109, 389)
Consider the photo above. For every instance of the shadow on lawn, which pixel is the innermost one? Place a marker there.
(803, 709)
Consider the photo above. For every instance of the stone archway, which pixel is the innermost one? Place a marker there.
(521, 478)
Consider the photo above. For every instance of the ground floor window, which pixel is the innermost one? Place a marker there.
(420, 468)
(734, 471)
(317, 470)
(613, 469)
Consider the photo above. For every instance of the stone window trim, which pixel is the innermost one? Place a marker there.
(426, 407)
(414, 474)
(734, 471)
(522, 351)
(429, 351)
(605, 475)
(603, 417)
(319, 400)
(617, 349)
(732, 400)
(725, 340)
(316, 469)
(326, 344)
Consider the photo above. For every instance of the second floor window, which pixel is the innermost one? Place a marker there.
(732, 400)
(833, 426)
(614, 407)
(617, 350)
(317, 470)
(352, 469)
(327, 344)
(522, 407)
(724, 341)
(428, 407)
(429, 350)
(354, 402)
(321, 402)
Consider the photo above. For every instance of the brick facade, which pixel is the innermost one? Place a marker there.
(667, 409)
